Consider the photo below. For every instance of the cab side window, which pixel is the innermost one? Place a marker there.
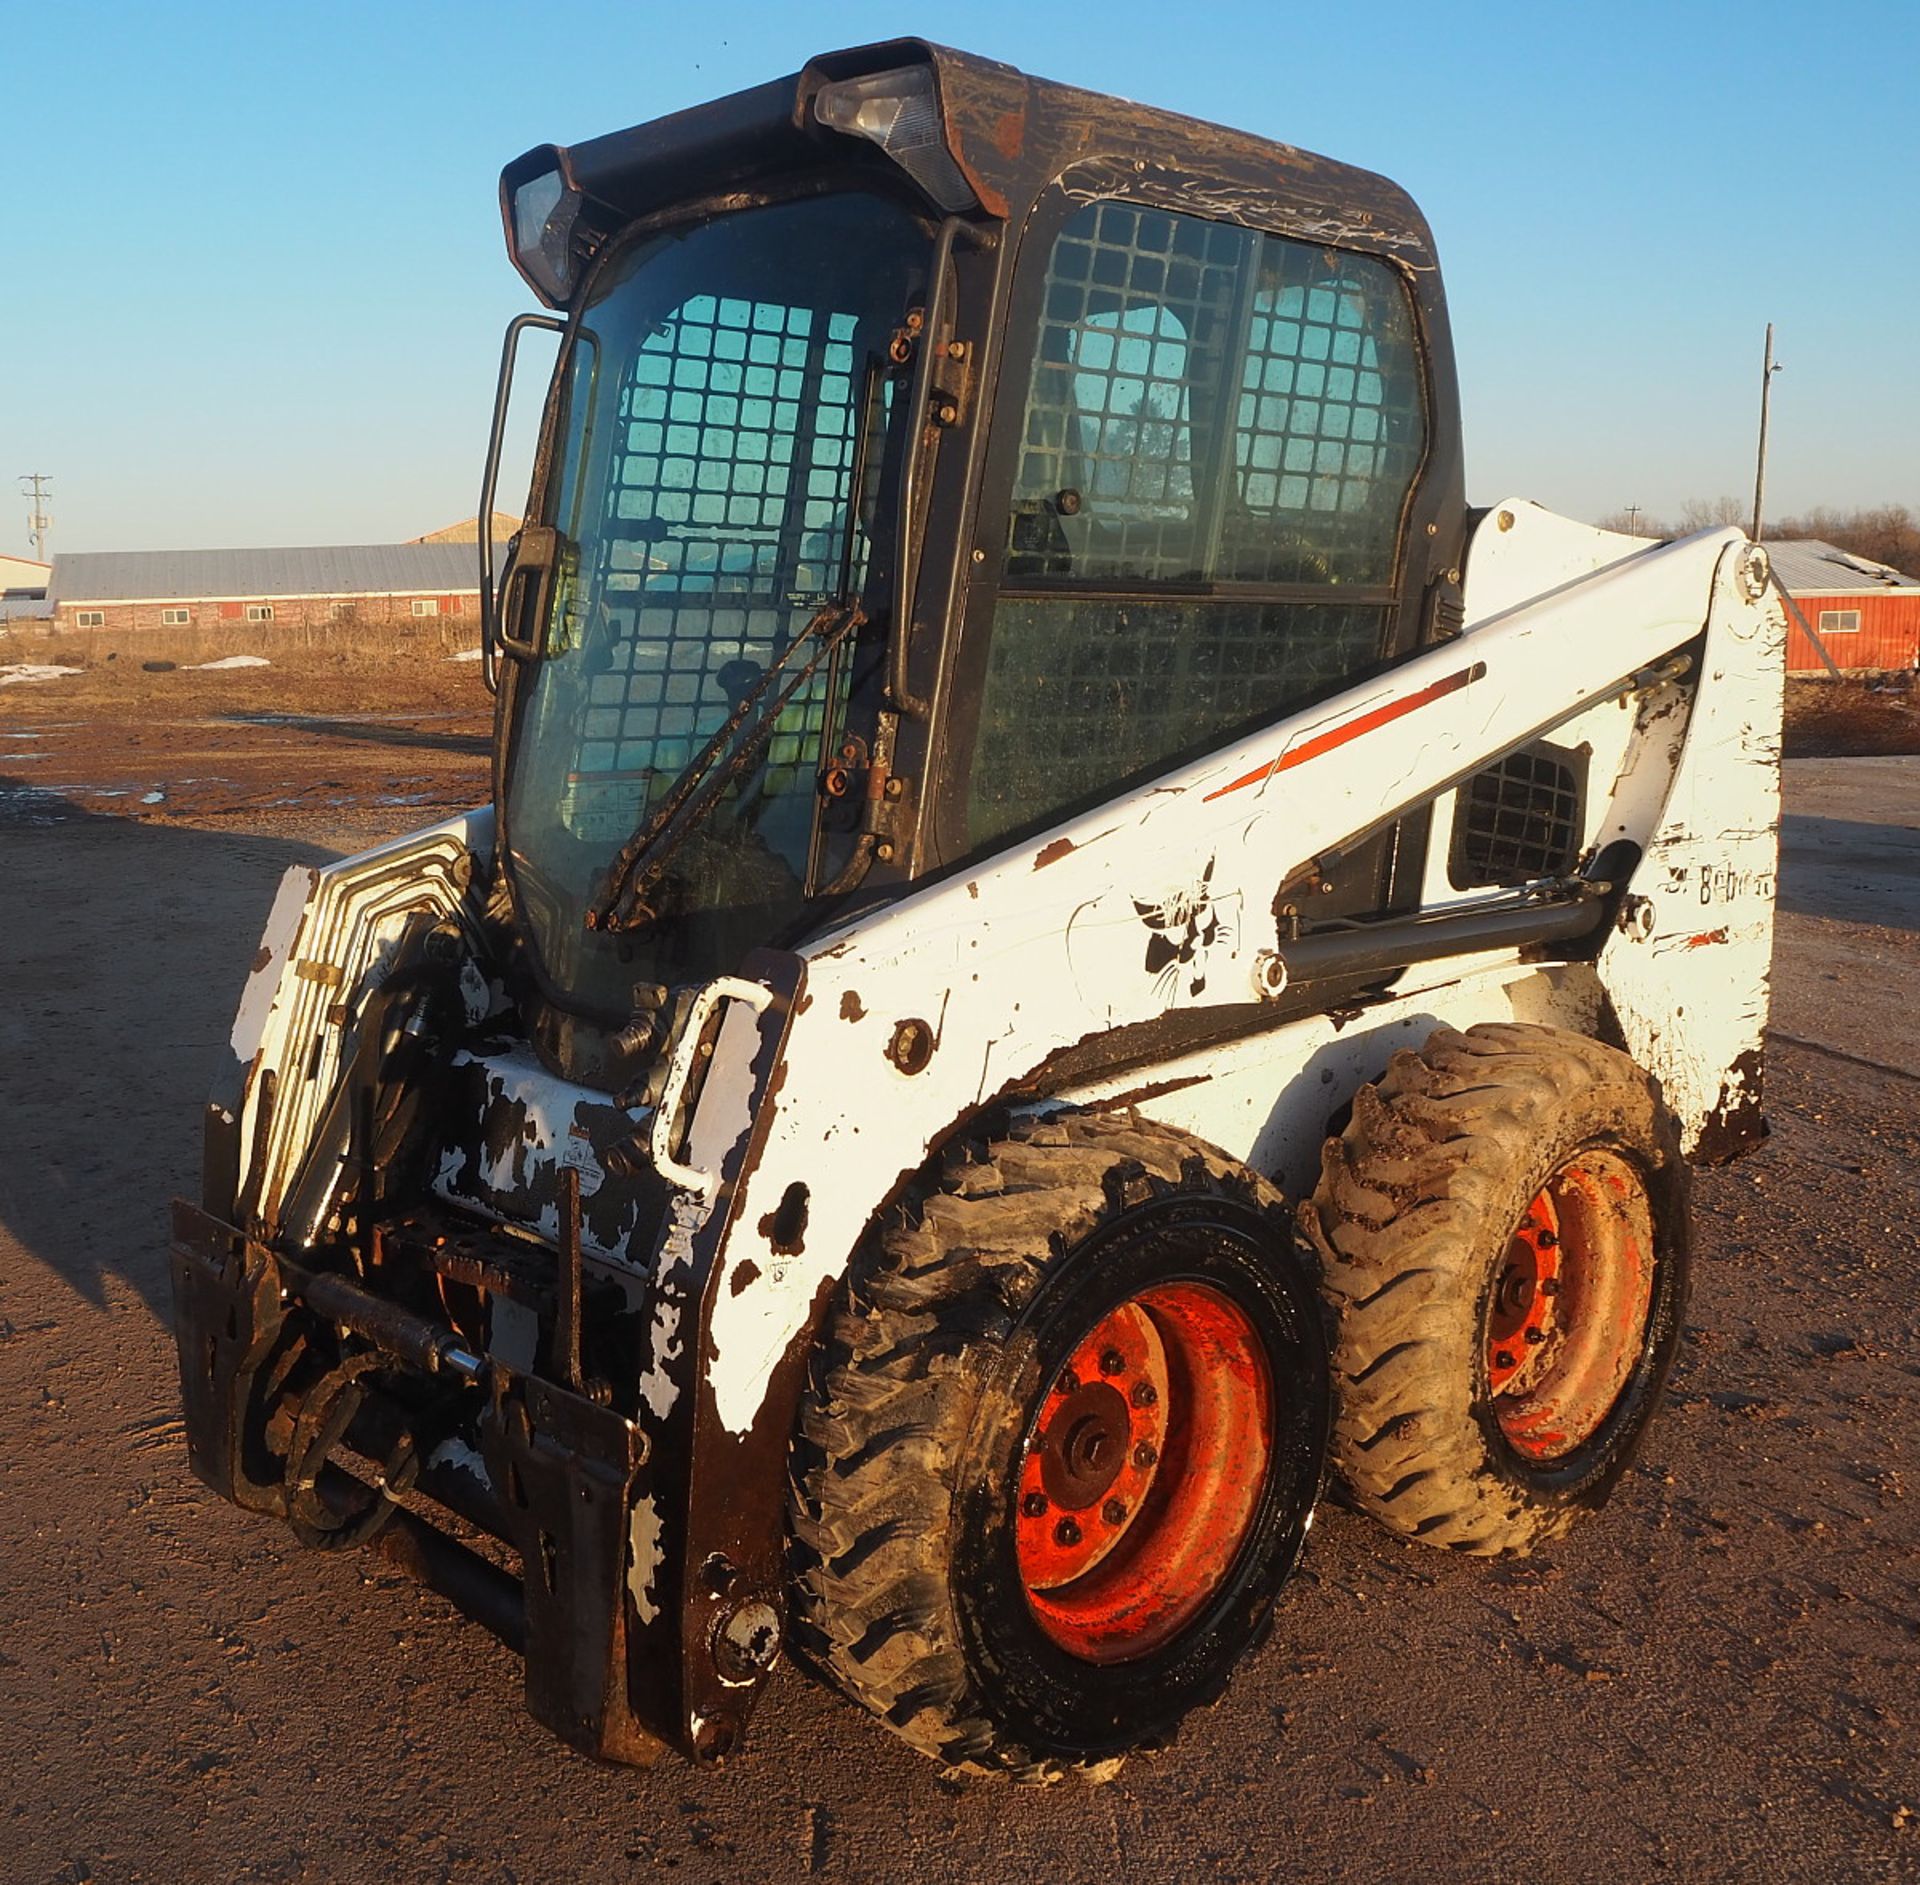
(1221, 429)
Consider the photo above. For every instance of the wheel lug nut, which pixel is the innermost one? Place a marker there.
(1535, 1336)
(1067, 1532)
(1067, 1383)
(1502, 1358)
(1113, 1512)
(1549, 1286)
(1034, 1505)
(1145, 1394)
(1548, 1240)
(1146, 1454)
(1112, 1362)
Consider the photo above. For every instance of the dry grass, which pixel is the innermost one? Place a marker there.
(338, 667)
(351, 643)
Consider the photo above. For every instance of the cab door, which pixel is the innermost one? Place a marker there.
(1205, 465)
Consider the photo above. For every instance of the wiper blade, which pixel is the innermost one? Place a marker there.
(626, 901)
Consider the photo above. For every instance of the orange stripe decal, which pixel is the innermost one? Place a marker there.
(1352, 730)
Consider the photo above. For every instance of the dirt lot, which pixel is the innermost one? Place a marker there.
(1719, 1678)
(322, 730)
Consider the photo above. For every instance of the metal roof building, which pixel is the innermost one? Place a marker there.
(1866, 614)
(121, 590)
(368, 569)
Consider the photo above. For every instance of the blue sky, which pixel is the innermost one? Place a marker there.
(252, 282)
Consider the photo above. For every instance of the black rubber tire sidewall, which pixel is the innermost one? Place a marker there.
(1051, 1700)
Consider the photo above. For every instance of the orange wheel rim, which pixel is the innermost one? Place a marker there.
(1567, 1315)
(1143, 1473)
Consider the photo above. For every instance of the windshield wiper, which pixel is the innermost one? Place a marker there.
(626, 901)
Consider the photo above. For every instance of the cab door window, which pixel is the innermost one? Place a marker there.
(1220, 433)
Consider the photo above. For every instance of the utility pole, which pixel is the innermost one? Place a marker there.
(1760, 469)
(33, 484)
(1633, 520)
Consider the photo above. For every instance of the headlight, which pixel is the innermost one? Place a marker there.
(900, 112)
(543, 213)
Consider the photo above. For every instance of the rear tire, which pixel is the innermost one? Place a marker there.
(1503, 1232)
(1018, 1569)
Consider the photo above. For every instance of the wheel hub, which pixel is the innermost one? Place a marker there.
(1098, 1446)
(1567, 1313)
(1521, 1315)
(1143, 1471)
(1085, 1446)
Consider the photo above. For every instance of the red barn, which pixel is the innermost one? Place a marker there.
(1867, 615)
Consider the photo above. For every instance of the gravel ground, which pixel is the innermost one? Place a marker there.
(1719, 1678)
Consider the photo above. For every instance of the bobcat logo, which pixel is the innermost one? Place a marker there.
(1182, 927)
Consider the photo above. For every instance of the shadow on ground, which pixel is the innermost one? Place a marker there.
(1850, 870)
(120, 965)
(372, 732)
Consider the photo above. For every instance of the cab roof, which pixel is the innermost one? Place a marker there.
(1011, 135)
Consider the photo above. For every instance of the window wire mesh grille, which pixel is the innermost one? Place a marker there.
(1328, 431)
(1136, 308)
(1518, 820)
(1082, 695)
(1207, 404)
(727, 513)
(1211, 404)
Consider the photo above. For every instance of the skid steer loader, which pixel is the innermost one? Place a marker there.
(1066, 943)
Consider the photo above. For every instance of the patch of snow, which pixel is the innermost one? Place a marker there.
(233, 661)
(15, 671)
(153, 798)
(465, 654)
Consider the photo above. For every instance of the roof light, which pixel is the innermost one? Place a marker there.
(900, 112)
(543, 212)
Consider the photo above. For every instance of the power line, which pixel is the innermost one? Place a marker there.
(39, 524)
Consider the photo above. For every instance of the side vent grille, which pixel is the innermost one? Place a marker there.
(1520, 819)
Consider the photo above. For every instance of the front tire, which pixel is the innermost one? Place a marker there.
(1060, 1447)
(1503, 1232)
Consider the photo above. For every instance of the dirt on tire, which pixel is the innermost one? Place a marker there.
(921, 1384)
(1417, 1203)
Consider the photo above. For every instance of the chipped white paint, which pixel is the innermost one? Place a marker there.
(1067, 935)
(276, 940)
(1265, 1099)
(671, 1300)
(1160, 902)
(481, 1169)
(455, 1452)
(1692, 995)
(644, 1532)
